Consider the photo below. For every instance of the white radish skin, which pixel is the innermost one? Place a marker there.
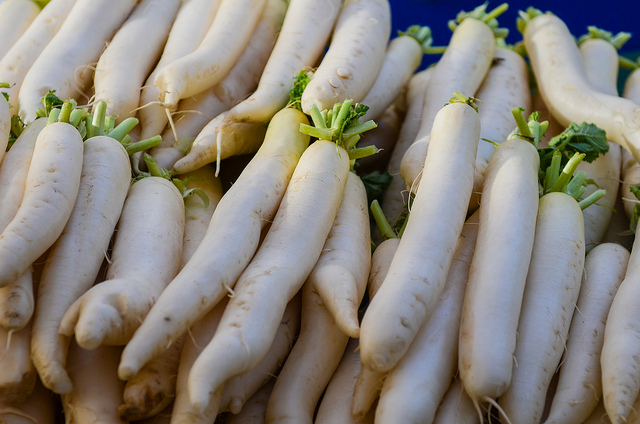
(551, 292)
(350, 67)
(152, 220)
(15, 18)
(154, 386)
(88, 402)
(191, 23)
(601, 60)
(242, 212)
(221, 46)
(255, 409)
(299, 229)
(17, 299)
(403, 56)
(394, 198)
(51, 188)
(412, 390)
(335, 406)
(18, 376)
(341, 273)
(104, 184)
(419, 269)
(504, 87)
(199, 110)
(5, 127)
(305, 31)
(580, 383)
(63, 64)
(497, 282)
(239, 389)
(557, 65)
(212, 145)
(619, 360)
(199, 335)
(118, 79)
(24, 52)
(308, 368)
(369, 382)
(13, 172)
(456, 407)
(462, 68)
(630, 166)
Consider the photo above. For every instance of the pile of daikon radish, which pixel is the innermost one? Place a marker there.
(188, 230)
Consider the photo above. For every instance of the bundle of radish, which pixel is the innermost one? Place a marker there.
(487, 340)
(230, 242)
(15, 18)
(599, 54)
(191, 23)
(308, 23)
(154, 386)
(142, 36)
(402, 58)
(330, 299)
(419, 268)
(554, 276)
(580, 383)
(17, 61)
(51, 188)
(207, 144)
(393, 199)
(557, 65)
(17, 299)
(63, 65)
(103, 186)
(462, 68)
(221, 46)
(505, 86)
(299, 228)
(356, 53)
(429, 364)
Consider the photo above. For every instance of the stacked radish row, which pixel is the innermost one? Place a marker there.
(185, 233)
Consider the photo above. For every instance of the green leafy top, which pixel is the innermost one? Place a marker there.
(300, 82)
(422, 34)
(480, 13)
(618, 40)
(635, 216)
(524, 17)
(340, 125)
(559, 161)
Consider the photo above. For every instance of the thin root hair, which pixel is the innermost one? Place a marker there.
(494, 404)
(229, 290)
(193, 340)
(146, 105)
(414, 187)
(218, 145)
(6, 350)
(172, 125)
(9, 410)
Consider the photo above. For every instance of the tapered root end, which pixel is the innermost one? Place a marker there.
(56, 379)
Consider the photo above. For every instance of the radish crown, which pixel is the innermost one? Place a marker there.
(559, 161)
(617, 41)
(422, 34)
(480, 13)
(340, 125)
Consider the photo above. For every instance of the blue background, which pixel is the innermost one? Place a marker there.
(613, 16)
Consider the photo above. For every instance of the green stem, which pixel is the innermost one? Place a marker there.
(592, 198)
(362, 152)
(321, 133)
(123, 128)
(575, 187)
(553, 171)
(65, 112)
(359, 128)
(381, 221)
(53, 116)
(319, 121)
(142, 145)
(493, 14)
(567, 173)
(521, 122)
